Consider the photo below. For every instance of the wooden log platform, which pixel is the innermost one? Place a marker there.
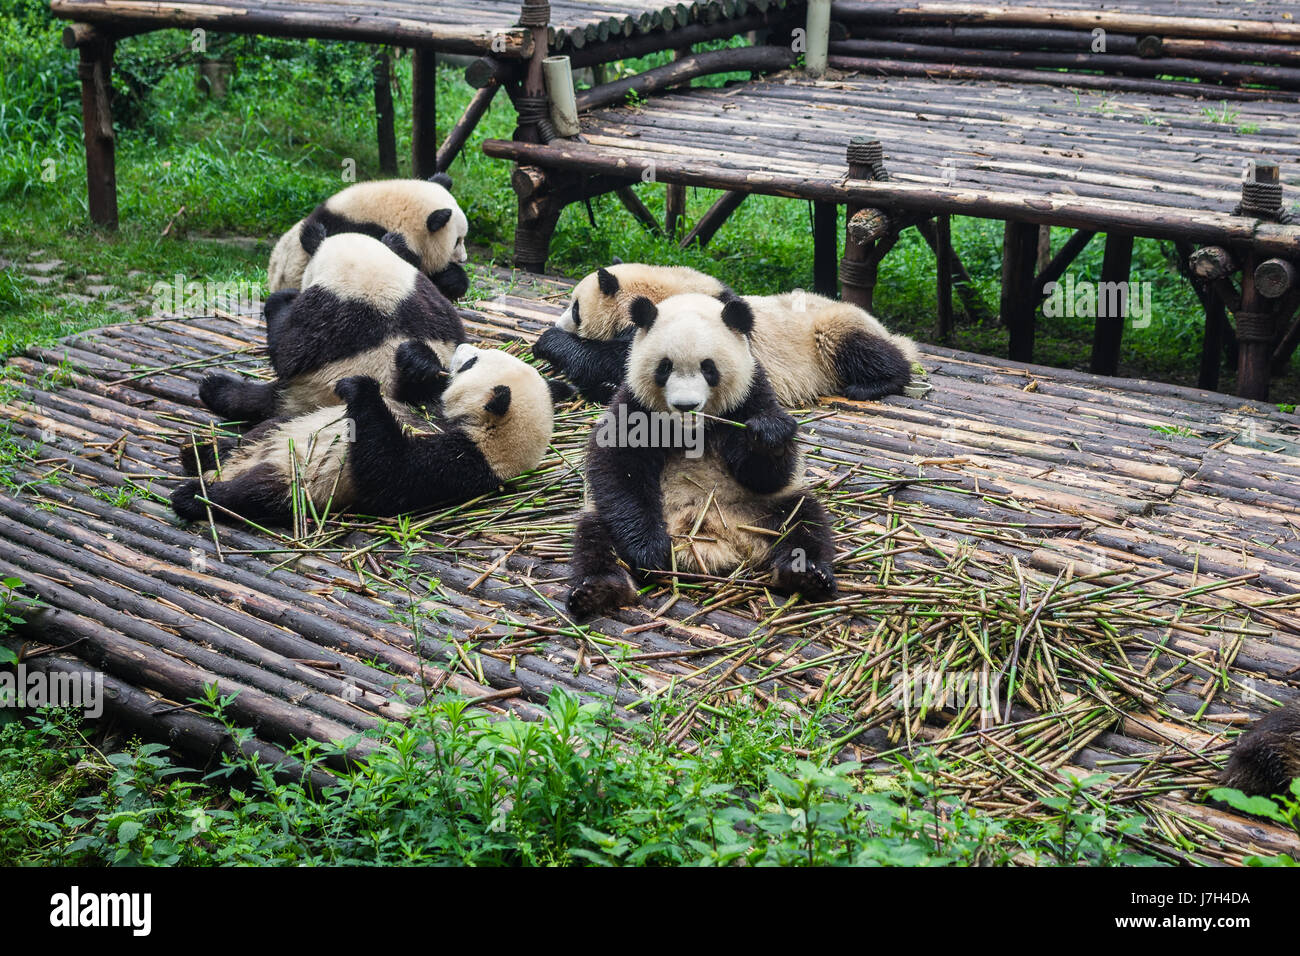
(1121, 557)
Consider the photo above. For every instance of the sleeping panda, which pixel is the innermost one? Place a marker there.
(376, 457)
(359, 302)
(422, 213)
(728, 490)
(810, 345)
(1267, 757)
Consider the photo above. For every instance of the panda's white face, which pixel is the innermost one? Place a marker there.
(689, 360)
(504, 405)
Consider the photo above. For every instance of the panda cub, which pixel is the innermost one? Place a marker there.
(359, 302)
(375, 457)
(1267, 757)
(810, 345)
(730, 491)
(424, 215)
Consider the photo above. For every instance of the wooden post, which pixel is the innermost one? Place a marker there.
(817, 37)
(943, 276)
(424, 112)
(674, 207)
(640, 212)
(384, 131)
(531, 105)
(540, 205)
(1044, 248)
(1019, 298)
(95, 71)
(826, 243)
(863, 226)
(1254, 336)
(1216, 325)
(1112, 303)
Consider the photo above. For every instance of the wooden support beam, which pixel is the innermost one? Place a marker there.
(826, 248)
(708, 224)
(633, 204)
(424, 112)
(674, 207)
(1274, 278)
(95, 71)
(733, 59)
(1019, 302)
(1211, 263)
(1112, 303)
(464, 128)
(971, 303)
(1286, 346)
(385, 133)
(1254, 336)
(943, 277)
(1217, 330)
(1056, 267)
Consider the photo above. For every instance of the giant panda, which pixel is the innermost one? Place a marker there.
(422, 213)
(729, 493)
(1267, 757)
(810, 345)
(373, 456)
(359, 302)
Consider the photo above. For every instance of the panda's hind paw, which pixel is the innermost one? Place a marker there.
(598, 593)
(813, 580)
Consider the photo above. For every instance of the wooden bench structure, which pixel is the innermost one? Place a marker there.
(1014, 500)
(1126, 118)
(504, 31)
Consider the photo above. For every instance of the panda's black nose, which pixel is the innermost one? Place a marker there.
(686, 406)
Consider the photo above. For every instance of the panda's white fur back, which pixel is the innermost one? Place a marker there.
(288, 260)
(357, 267)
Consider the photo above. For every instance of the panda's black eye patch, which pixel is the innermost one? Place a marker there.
(663, 371)
(467, 366)
(710, 372)
(577, 319)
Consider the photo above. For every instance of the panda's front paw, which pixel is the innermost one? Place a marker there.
(549, 344)
(772, 432)
(453, 282)
(650, 554)
(813, 580)
(185, 501)
(356, 387)
(598, 593)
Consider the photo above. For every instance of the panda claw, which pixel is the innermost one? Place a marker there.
(598, 593)
(816, 582)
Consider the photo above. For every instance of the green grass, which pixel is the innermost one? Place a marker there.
(204, 171)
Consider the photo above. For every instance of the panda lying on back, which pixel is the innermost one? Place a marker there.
(731, 495)
(810, 345)
(374, 457)
(359, 303)
(423, 214)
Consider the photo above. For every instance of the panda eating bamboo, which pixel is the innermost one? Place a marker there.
(735, 496)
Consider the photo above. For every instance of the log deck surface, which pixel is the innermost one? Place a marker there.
(1151, 164)
(1008, 468)
(452, 26)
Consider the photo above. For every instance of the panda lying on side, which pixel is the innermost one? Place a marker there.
(701, 505)
(424, 215)
(1267, 757)
(810, 345)
(374, 457)
(359, 302)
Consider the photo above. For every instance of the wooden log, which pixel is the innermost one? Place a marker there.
(490, 71)
(1112, 309)
(640, 212)
(1109, 63)
(863, 226)
(717, 214)
(1216, 319)
(1157, 222)
(385, 132)
(465, 126)
(397, 28)
(755, 59)
(878, 66)
(1254, 336)
(1056, 267)
(971, 302)
(1019, 303)
(1286, 345)
(1274, 277)
(1118, 21)
(1211, 262)
(826, 242)
(95, 71)
(816, 37)
(424, 112)
(674, 207)
(943, 277)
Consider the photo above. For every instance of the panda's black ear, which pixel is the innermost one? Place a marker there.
(738, 316)
(438, 218)
(616, 261)
(643, 312)
(727, 294)
(311, 236)
(441, 179)
(499, 403)
(607, 281)
(560, 391)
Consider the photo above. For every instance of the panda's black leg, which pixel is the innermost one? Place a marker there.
(597, 582)
(199, 456)
(238, 399)
(259, 495)
(421, 378)
(870, 367)
(802, 558)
